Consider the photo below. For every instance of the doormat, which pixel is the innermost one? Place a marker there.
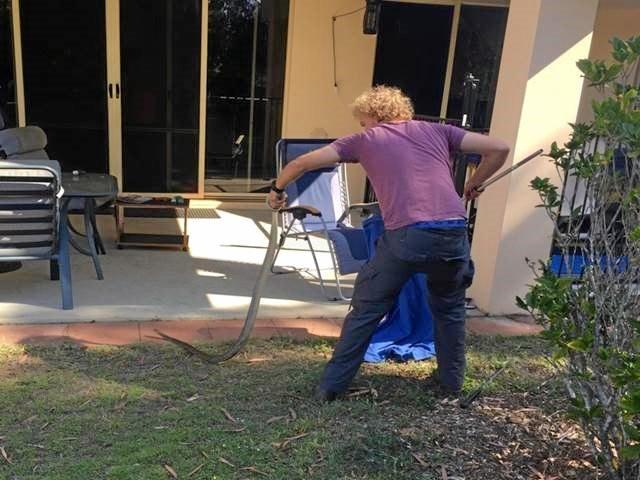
(132, 212)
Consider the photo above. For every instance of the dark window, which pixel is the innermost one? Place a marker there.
(8, 110)
(478, 51)
(412, 52)
(160, 58)
(64, 65)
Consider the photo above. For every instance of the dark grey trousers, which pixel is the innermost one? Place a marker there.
(443, 254)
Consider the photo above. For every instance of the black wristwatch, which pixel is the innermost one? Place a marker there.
(276, 189)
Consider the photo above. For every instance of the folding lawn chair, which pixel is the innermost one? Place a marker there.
(319, 203)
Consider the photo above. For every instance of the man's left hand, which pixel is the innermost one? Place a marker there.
(471, 191)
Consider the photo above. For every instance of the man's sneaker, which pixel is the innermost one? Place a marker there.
(441, 392)
(324, 396)
(435, 388)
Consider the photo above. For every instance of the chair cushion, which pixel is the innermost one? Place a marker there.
(20, 141)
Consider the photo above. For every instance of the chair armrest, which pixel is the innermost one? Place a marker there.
(365, 208)
(301, 211)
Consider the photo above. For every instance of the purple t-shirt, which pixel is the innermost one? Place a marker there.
(410, 167)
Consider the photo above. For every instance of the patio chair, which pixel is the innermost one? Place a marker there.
(29, 143)
(32, 223)
(319, 203)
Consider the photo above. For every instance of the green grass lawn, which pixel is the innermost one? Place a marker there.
(149, 411)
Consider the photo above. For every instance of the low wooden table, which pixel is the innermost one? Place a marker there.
(152, 239)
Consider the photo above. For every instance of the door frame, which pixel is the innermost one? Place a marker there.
(114, 105)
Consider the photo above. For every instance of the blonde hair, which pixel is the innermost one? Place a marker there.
(384, 104)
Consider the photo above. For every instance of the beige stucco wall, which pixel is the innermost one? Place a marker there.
(313, 106)
(614, 19)
(538, 94)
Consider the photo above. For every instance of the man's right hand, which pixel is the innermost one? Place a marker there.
(276, 200)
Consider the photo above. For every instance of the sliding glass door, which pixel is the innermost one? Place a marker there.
(115, 84)
(123, 86)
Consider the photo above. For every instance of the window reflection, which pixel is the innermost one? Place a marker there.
(478, 51)
(245, 88)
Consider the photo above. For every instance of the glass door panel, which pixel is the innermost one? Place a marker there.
(160, 94)
(478, 52)
(64, 67)
(8, 105)
(245, 89)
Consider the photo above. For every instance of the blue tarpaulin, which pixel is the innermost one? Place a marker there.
(406, 332)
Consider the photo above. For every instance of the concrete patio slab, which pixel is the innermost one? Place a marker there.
(214, 280)
(201, 296)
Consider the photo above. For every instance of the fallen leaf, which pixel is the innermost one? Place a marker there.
(193, 398)
(195, 470)
(171, 471)
(224, 460)
(419, 460)
(444, 473)
(541, 476)
(44, 426)
(258, 360)
(293, 414)
(297, 397)
(275, 419)
(4, 455)
(361, 392)
(228, 415)
(459, 450)
(254, 470)
(204, 455)
(287, 441)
